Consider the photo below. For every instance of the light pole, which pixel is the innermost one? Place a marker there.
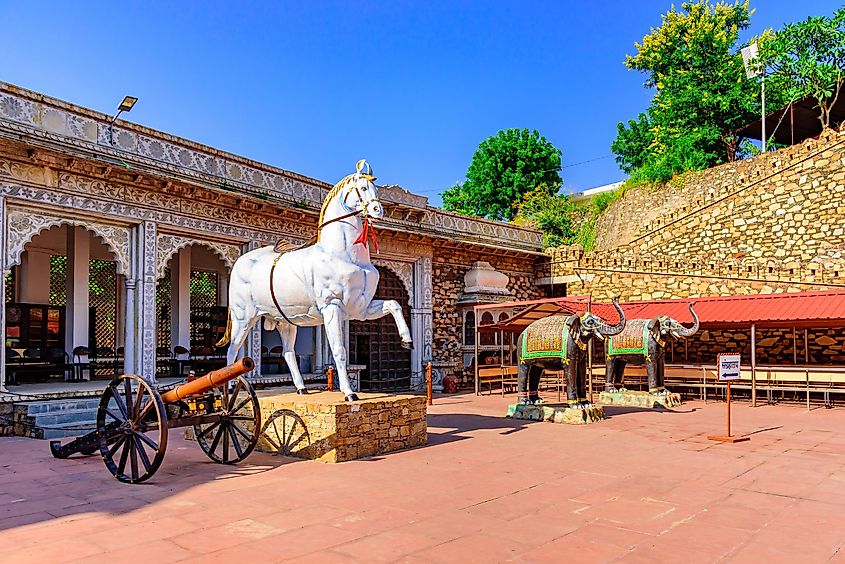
(754, 68)
(125, 106)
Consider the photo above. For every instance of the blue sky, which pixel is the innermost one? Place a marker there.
(314, 86)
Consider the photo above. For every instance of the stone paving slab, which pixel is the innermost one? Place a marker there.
(642, 485)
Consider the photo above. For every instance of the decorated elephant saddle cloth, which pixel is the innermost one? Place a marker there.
(546, 338)
(632, 340)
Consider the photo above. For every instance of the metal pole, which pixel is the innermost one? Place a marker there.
(330, 379)
(590, 368)
(753, 367)
(729, 407)
(807, 363)
(794, 347)
(806, 349)
(428, 392)
(763, 104)
(475, 344)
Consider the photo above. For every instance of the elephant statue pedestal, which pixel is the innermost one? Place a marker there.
(557, 414)
(632, 398)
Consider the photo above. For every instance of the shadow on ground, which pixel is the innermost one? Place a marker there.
(455, 426)
(36, 487)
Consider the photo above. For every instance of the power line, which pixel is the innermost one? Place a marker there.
(439, 190)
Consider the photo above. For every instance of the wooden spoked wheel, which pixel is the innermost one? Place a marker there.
(285, 431)
(132, 428)
(234, 435)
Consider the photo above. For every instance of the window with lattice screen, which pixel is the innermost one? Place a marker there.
(203, 288)
(9, 288)
(164, 293)
(58, 280)
(208, 320)
(102, 298)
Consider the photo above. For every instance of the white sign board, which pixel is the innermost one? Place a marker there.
(728, 367)
(749, 60)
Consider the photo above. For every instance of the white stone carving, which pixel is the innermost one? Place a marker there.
(148, 300)
(404, 270)
(26, 112)
(482, 278)
(24, 224)
(169, 245)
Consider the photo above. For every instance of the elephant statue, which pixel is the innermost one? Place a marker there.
(643, 342)
(559, 342)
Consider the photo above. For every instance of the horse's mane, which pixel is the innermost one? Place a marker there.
(333, 193)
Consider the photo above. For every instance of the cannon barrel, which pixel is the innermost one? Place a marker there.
(211, 380)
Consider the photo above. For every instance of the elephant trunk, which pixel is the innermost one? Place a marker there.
(686, 332)
(610, 330)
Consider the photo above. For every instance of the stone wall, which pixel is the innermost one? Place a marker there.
(774, 223)
(449, 268)
(338, 431)
(795, 187)
(775, 347)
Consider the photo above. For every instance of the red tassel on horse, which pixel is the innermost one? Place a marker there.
(368, 232)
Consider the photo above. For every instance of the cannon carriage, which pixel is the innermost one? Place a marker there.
(134, 417)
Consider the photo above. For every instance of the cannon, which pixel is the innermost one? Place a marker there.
(133, 419)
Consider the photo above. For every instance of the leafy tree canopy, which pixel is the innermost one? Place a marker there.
(504, 168)
(702, 94)
(554, 214)
(807, 59)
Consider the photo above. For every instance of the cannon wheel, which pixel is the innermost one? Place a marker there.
(140, 440)
(288, 432)
(234, 435)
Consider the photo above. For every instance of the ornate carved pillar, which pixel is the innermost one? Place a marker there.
(147, 292)
(253, 345)
(421, 329)
(3, 270)
(130, 326)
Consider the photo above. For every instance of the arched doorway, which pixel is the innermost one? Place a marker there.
(377, 345)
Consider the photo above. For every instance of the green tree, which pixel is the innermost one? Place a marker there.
(504, 168)
(554, 214)
(807, 59)
(633, 142)
(702, 95)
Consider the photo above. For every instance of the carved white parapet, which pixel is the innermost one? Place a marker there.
(24, 224)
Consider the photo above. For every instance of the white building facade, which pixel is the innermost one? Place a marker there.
(157, 210)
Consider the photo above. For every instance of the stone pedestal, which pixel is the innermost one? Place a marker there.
(631, 398)
(568, 415)
(322, 426)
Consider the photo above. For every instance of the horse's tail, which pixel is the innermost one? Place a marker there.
(227, 336)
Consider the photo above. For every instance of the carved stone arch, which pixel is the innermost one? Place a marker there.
(24, 225)
(404, 270)
(169, 245)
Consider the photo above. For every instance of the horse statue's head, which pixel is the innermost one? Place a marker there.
(359, 192)
(356, 195)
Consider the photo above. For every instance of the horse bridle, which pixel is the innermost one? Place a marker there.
(363, 211)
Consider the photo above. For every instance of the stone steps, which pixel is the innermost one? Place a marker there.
(55, 419)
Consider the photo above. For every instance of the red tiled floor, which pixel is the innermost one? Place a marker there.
(638, 487)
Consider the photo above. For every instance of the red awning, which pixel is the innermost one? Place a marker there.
(799, 309)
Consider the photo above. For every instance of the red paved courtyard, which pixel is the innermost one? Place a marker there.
(640, 486)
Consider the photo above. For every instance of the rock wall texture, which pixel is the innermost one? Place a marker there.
(449, 267)
(339, 431)
(774, 223)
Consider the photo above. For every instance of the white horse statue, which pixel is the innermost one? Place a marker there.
(326, 283)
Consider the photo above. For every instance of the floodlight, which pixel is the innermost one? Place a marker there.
(127, 103)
